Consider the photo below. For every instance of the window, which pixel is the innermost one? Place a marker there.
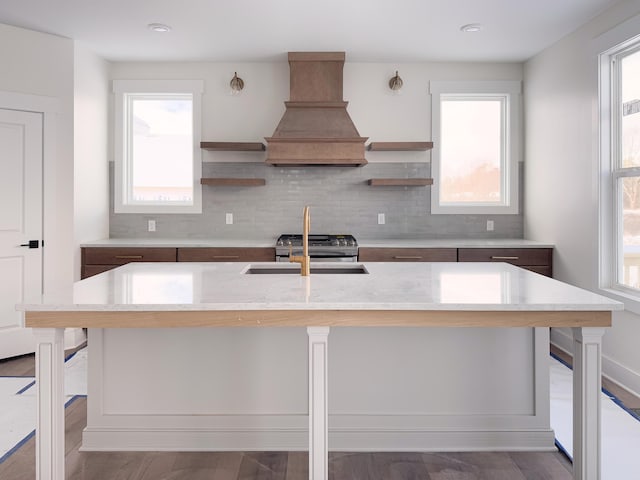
(476, 147)
(620, 157)
(158, 159)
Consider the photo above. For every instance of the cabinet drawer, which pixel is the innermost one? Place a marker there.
(373, 254)
(515, 256)
(120, 256)
(546, 271)
(227, 254)
(91, 270)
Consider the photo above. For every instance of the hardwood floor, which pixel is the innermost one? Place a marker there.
(627, 398)
(284, 465)
(273, 465)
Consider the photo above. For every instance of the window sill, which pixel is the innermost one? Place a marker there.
(475, 210)
(158, 209)
(631, 302)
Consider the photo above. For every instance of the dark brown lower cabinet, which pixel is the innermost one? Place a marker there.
(539, 260)
(227, 254)
(100, 259)
(384, 254)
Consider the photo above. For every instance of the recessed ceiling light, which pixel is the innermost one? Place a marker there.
(159, 27)
(471, 27)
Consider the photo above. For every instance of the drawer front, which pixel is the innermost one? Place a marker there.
(515, 256)
(546, 271)
(120, 256)
(91, 270)
(369, 254)
(227, 254)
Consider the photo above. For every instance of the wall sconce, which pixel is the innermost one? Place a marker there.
(236, 84)
(395, 83)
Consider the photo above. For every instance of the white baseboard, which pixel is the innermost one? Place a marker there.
(612, 370)
(96, 439)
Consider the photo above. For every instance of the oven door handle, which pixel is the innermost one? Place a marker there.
(322, 254)
(328, 255)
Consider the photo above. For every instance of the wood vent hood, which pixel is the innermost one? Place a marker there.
(316, 128)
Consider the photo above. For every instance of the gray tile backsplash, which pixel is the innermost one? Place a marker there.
(341, 202)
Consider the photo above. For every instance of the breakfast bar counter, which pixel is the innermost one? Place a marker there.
(398, 295)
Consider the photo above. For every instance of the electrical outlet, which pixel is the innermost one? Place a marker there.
(489, 225)
(381, 219)
(229, 218)
(151, 225)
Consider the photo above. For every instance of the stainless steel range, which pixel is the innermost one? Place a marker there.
(322, 248)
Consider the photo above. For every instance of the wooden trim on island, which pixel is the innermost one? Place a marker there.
(319, 318)
(400, 182)
(234, 146)
(399, 146)
(233, 182)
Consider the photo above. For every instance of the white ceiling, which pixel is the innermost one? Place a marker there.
(264, 30)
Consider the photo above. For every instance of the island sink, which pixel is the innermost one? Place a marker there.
(324, 269)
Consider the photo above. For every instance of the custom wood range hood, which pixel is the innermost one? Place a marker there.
(316, 128)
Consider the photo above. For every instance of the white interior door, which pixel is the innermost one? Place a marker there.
(20, 223)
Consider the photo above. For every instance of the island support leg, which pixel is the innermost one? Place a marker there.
(50, 449)
(318, 411)
(587, 384)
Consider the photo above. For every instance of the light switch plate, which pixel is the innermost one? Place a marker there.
(381, 219)
(151, 225)
(229, 218)
(489, 225)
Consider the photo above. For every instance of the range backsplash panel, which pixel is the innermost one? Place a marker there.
(341, 202)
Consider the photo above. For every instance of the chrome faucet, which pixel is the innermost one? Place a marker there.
(304, 260)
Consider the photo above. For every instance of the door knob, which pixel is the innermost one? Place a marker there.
(31, 244)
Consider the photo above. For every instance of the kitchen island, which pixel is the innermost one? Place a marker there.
(155, 297)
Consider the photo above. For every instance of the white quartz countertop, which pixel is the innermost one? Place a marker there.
(179, 242)
(386, 286)
(454, 243)
(388, 243)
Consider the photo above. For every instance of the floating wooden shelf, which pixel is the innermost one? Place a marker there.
(400, 182)
(234, 182)
(399, 146)
(234, 146)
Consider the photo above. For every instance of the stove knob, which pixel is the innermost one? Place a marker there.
(280, 243)
(289, 242)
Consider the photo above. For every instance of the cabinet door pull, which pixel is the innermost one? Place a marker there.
(129, 257)
(226, 256)
(403, 257)
(498, 257)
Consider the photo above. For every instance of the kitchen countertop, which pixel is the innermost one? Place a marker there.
(380, 243)
(179, 243)
(414, 287)
(454, 243)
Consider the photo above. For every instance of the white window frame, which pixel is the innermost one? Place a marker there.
(121, 89)
(511, 92)
(610, 205)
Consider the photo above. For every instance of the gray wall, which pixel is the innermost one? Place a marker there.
(341, 202)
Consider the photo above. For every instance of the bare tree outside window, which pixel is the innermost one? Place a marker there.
(472, 150)
(630, 158)
(162, 149)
